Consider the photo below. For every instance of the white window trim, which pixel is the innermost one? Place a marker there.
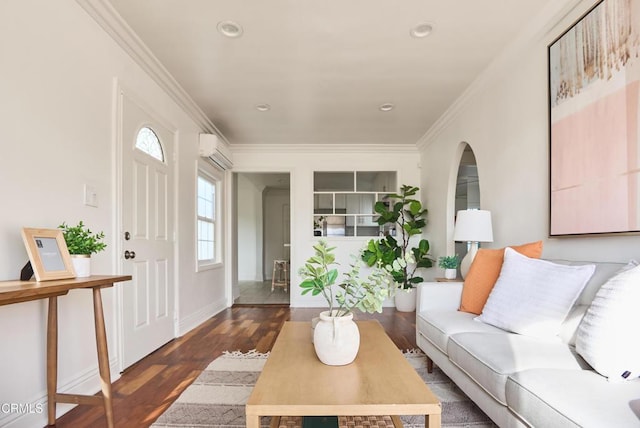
(217, 262)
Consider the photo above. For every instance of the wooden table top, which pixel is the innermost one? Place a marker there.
(24, 291)
(379, 382)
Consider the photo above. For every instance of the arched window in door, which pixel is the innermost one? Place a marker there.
(148, 142)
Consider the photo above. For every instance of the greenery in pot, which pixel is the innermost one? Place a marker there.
(319, 274)
(81, 240)
(449, 262)
(396, 256)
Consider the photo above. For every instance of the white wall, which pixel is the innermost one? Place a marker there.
(504, 119)
(301, 162)
(249, 241)
(56, 134)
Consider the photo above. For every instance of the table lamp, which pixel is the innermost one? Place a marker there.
(472, 226)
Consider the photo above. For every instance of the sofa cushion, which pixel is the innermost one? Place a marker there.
(437, 326)
(484, 272)
(607, 336)
(533, 297)
(490, 358)
(572, 398)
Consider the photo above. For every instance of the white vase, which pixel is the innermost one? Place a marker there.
(336, 339)
(450, 273)
(81, 264)
(406, 300)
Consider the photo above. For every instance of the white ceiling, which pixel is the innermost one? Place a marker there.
(325, 66)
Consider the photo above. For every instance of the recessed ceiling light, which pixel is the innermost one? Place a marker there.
(386, 107)
(263, 107)
(229, 29)
(421, 30)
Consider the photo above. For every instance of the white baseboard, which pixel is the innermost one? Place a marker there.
(193, 320)
(34, 412)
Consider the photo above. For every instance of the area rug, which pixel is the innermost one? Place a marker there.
(216, 398)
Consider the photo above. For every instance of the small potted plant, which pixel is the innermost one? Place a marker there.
(450, 266)
(336, 338)
(82, 242)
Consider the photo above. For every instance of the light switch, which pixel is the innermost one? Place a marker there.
(90, 196)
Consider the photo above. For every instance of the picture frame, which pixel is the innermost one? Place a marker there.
(48, 254)
(594, 123)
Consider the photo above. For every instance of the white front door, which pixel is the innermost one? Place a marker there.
(147, 301)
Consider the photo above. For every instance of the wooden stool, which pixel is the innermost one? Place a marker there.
(279, 277)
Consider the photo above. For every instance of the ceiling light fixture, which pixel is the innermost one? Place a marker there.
(263, 107)
(421, 30)
(230, 29)
(386, 107)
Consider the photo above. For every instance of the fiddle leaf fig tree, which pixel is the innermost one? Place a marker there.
(397, 256)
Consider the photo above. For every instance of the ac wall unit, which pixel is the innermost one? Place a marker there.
(216, 150)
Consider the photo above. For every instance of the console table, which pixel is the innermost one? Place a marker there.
(25, 291)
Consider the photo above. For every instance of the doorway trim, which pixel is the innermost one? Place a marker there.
(231, 225)
(120, 91)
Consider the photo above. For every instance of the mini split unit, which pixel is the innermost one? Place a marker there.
(216, 150)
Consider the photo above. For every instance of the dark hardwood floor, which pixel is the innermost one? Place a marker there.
(147, 389)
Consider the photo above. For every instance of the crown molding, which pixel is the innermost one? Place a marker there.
(538, 28)
(103, 12)
(334, 148)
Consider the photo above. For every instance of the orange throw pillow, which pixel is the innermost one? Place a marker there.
(483, 274)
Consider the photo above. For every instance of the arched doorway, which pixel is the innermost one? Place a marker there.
(467, 194)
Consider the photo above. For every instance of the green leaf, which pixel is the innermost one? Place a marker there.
(370, 259)
(380, 207)
(307, 284)
(425, 263)
(331, 276)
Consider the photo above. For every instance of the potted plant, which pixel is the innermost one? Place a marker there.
(336, 338)
(82, 242)
(450, 266)
(399, 257)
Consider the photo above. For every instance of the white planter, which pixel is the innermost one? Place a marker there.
(336, 339)
(406, 300)
(450, 273)
(81, 264)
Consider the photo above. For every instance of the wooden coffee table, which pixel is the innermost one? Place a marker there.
(379, 382)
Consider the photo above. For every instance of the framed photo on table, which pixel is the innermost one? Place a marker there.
(594, 116)
(48, 254)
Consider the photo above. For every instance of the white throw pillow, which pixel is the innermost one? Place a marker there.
(532, 297)
(607, 336)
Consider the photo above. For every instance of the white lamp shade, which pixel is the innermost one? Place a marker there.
(473, 226)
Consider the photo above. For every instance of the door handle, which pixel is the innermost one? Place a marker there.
(129, 254)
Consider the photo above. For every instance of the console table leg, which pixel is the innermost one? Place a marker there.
(103, 356)
(52, 359)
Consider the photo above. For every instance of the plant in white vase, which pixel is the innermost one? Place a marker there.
(450, 265)
(336, 337)
(82, 242)
(397, 256)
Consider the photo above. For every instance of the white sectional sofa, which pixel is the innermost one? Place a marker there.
(521, 380)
